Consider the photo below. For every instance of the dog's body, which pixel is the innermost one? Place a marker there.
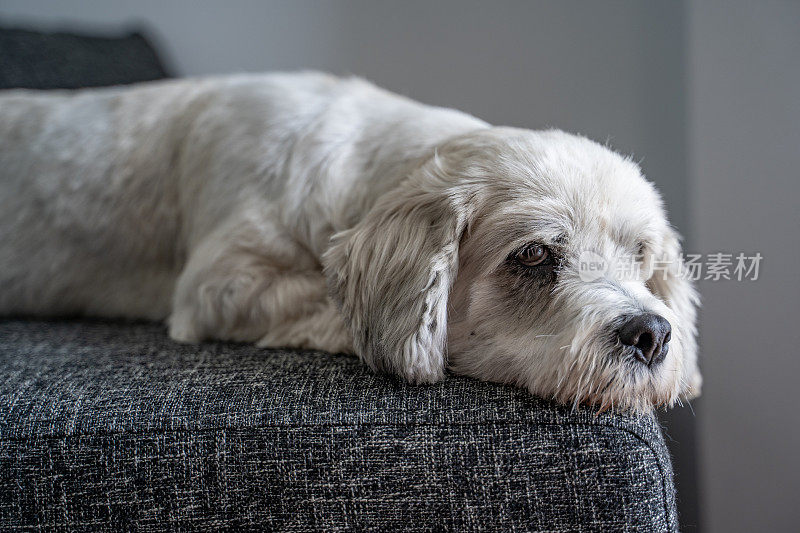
(307, 211)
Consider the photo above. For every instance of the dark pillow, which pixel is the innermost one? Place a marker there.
(35, 60)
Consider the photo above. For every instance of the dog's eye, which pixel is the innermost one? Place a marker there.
(533, 255)
(640, 250)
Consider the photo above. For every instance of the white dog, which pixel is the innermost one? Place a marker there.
(307, 211)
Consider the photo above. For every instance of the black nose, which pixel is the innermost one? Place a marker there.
(649, 333)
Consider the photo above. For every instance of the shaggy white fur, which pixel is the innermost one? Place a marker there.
(309, 211)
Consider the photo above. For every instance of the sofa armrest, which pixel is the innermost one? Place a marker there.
(105, 424)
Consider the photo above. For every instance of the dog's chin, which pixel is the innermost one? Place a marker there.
(598, 375)
(608, 377)
(625, 389)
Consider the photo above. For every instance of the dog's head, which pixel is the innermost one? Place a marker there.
(540, 259)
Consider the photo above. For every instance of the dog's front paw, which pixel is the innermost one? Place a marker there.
(182, 329)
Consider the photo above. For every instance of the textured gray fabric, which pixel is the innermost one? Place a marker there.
(113, 426)
(36, 60)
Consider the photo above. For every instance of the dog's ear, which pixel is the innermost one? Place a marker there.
(672, 284)
(392, 272)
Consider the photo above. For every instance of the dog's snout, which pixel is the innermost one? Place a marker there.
(649, 333)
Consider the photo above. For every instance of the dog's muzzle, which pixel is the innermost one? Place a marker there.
(649, 335)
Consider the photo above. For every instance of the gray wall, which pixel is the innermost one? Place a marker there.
(745, 169)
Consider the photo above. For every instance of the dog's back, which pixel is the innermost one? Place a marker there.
(90, 199)
(104, 192)
(81, 212)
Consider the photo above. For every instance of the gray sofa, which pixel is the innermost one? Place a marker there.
(115, 426)
(111, 426)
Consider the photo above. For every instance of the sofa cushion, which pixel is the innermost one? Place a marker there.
(108, 424)
(36, 60)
